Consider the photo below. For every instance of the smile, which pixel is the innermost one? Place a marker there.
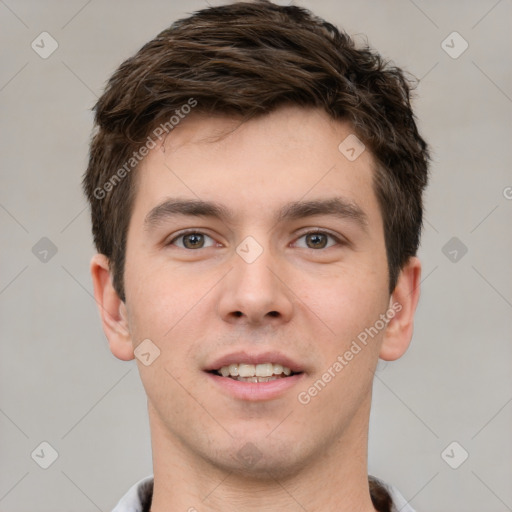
(263, 372)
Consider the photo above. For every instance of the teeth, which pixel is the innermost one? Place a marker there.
(257, 379)
(264, 370)
(246, 370)
(254, 373)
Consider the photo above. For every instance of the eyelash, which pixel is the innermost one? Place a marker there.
(321, 232)
(312, 232)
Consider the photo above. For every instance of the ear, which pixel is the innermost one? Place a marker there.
(402, 303)
(112, 309)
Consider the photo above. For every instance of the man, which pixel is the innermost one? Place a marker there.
(256, 188)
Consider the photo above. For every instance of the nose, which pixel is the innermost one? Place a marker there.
(256, 292)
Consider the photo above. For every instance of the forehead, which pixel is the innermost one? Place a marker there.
(290, 154)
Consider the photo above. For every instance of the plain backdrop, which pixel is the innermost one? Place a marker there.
(59, 383)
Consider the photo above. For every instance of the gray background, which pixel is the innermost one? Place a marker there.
(59, 381)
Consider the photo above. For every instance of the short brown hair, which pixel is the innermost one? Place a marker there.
(246, 59)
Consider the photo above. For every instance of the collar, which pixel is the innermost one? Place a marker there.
(139, 496)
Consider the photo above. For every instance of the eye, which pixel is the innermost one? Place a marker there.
(192, 240)
(318, 240)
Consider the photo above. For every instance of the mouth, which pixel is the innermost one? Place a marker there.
(262, 372)
(255, 377)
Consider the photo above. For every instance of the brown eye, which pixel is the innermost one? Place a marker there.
(193, 240)
(316, 240)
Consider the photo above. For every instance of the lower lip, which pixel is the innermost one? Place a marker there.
(255, 391)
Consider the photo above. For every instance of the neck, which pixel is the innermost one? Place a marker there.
(333, 479)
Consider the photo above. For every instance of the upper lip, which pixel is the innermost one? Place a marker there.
(252, 357)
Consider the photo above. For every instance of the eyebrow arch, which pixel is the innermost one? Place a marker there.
(336, 206)
(191, 207)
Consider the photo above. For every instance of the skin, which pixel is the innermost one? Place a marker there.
(306, 301)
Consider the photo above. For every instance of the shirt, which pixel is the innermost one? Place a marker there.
(138, 498)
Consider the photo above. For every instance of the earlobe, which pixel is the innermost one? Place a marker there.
(112, 310)
(402, 307)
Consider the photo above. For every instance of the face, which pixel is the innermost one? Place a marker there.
(263, 246)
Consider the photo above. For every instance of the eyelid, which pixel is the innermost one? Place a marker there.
(339, 240)
(180, 234)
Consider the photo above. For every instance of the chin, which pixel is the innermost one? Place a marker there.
(260, 458)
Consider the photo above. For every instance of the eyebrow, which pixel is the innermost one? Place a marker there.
(337, 206)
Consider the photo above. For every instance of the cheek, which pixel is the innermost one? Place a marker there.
(156, 299)
(170, 305)
(350, 350)
(350, 302)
